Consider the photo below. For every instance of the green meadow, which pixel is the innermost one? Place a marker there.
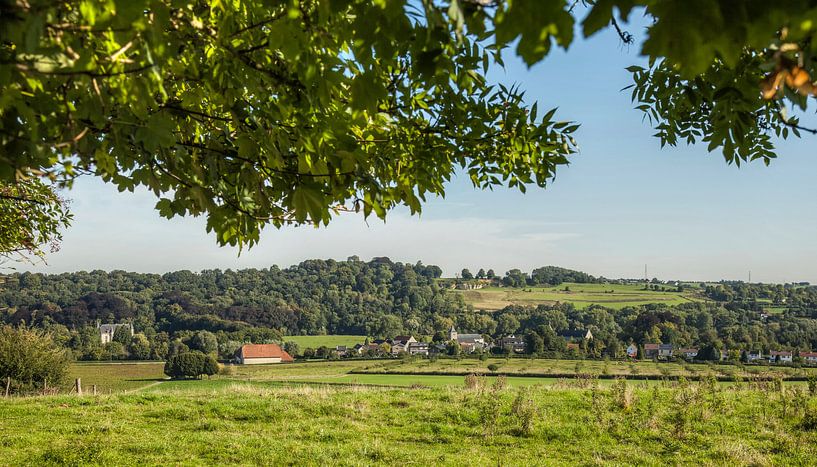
(581, 295)
(117, 377)
(330, 341)
(487, 422)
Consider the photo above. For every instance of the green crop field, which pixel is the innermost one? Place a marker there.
(119, 377)
(234, 422)
(330, 341)
(581, 295)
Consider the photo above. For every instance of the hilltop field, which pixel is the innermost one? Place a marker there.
(613, 296)
(273, 414)
(330, 341)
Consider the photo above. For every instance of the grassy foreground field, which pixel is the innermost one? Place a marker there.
(581, 295)
(246, 423)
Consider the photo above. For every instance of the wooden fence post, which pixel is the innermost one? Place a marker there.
(94, 388)
(79, 386)
(8, 385)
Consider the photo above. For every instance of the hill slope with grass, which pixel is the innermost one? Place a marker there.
(614, 296)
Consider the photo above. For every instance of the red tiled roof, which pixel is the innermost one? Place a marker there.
(775, 353)
(265, 351)
(808, 354)
(650, 346)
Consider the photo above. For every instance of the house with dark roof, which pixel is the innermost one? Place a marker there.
(651, 350)
(514, 344)
(418, 348)
(107, 331)
(400, 344)
(253, 354)
(664, 350)
(468, 342)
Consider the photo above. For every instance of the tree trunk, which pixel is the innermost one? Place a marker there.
(8, 385)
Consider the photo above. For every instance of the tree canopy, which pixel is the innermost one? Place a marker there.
(289, 112)
(31, 217)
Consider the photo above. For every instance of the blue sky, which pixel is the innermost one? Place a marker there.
(622, 203)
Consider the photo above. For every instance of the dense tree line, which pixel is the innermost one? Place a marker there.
(215, 311)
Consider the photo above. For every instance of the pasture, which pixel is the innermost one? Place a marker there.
(580, 295)
(132, 377)
(116, 377)
(234, 422)
(412, 370)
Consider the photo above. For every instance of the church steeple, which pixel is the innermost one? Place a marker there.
(452, 333)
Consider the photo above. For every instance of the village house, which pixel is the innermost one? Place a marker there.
(780, 356)
(809, 357)
(253, 354)
(664, 350)
(469, 343)
(363, 349)
(514, 344)
(632, 350)
(107, 331)
(400, 344)
(754, 356)
(688, 353)
(651, 350)
(418, 348)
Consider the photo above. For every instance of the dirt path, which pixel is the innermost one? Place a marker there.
(131, 391)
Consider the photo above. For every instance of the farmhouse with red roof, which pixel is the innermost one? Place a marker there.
(250, 354)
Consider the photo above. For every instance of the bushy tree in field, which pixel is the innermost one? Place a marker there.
(292, 348)
(453, 348)
(192, 364)
(139, 348)
(31, 359)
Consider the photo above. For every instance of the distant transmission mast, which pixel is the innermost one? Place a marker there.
(646, 277)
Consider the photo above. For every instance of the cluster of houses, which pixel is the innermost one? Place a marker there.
(469, 343)
(667, 351)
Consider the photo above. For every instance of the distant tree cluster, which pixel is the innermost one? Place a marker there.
(170, 311)
(193, 364)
